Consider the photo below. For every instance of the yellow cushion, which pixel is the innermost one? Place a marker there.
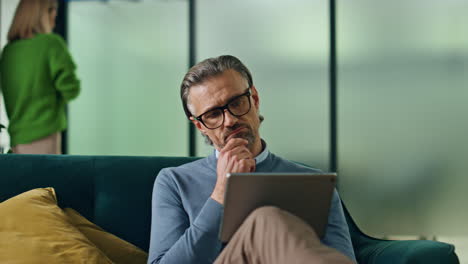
(33, 229)
(118, 250)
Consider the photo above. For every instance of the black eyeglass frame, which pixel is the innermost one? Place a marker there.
(248, 93)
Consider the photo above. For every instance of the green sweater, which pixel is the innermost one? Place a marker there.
(37, 80)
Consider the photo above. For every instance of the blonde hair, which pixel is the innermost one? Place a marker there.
(30, 19)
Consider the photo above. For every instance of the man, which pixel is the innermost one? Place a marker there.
(220, 99)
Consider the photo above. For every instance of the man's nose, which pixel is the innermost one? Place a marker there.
(229, 119)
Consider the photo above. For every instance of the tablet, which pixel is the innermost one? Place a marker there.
(307, 196)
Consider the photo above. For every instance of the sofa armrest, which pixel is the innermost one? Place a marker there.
(407, 252)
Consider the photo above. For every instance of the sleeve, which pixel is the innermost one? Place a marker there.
(173, 238)
(62, 69)
(337, 234)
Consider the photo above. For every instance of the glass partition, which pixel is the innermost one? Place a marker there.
(131, 57)
(285, 45)
(402, 115)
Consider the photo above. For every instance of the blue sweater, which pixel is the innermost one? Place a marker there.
(186, 221)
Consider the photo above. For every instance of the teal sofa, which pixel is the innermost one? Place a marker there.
(115, 193)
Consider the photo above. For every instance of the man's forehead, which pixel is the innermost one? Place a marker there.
(216, 91)
(229, 79)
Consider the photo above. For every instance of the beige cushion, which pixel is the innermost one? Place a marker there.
(33, 229)
(118, 250)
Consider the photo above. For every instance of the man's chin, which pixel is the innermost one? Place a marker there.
(237, 135)
(247, 136)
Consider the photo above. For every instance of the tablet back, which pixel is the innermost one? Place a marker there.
(307, 196)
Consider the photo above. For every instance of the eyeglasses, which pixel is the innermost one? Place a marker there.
(237, 106)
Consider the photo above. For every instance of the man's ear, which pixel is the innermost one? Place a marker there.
(255, 97)
(197, 124)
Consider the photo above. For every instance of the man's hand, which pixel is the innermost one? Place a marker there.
(234, 157)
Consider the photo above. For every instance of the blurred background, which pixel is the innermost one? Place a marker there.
(399, 141)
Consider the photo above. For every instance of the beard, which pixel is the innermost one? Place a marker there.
(249, 135)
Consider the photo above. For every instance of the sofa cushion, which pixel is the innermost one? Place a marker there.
(118, 250)
(123, 187)
(72, 178)
(33, 229)
(113, 192)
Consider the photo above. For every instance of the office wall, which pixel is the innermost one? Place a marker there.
(131, 57)
(402, 115)
(285, 45)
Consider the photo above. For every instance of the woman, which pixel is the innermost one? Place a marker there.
(37, 79)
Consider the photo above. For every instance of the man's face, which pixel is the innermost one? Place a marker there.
(218, 91)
